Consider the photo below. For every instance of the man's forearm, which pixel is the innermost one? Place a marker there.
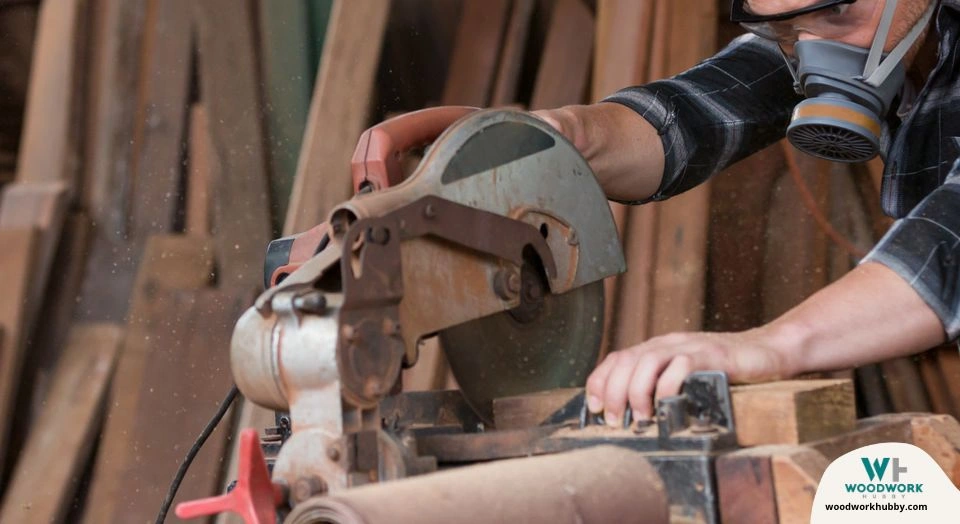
(869, 315)
(623, 149)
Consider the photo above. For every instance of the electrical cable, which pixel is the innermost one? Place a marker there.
(192, 453)
(811, 204)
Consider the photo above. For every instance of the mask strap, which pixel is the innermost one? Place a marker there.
(876, 74)
(797, 86)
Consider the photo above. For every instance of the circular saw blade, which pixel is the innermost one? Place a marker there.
(552, 345)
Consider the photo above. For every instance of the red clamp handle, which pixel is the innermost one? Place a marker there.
(376, 160)
(255, 497)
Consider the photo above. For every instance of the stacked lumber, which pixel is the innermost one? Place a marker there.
(164, 142)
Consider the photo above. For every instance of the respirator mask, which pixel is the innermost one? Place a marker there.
(848, 89)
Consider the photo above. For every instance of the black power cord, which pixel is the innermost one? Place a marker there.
(192, 453)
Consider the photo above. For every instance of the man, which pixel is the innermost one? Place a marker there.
(651, 142)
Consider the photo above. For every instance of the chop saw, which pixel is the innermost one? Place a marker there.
(497, 243)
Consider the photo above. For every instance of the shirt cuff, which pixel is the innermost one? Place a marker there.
(923, 248)
(650, 102)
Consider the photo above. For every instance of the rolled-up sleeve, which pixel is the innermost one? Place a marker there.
(716, 113)
(924, 249)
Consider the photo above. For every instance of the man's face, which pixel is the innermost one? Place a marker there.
(854, 24)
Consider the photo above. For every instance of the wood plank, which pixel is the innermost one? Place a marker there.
(157, 162)
(895, 427)
(565, 62)
(476, 50)
(204, 169)
(745, 487)
(796, 474)
(58, 304)
(60, 442)
(935, 384)
(229, 85)
(525, 411)
(338, 110)
(939, 436)
(511, 57)
(621, 58)
(793, 412)
(169, 262)
(681, 249)
(187, 356)
(48, 145)
(16, 265)
(112, 87)
(948, 360)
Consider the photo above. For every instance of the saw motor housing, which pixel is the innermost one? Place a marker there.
(498, 191)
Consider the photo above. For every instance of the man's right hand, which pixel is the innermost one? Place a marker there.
(623, 149)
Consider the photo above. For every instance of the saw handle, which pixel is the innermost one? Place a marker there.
(376, 160)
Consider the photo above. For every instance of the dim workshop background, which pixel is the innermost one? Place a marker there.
(150, 149)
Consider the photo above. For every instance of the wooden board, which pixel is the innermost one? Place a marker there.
(62, 438)
(793, 412)
(169, 262)
(47, 145)
(476, 49)
(948, 360)
(796, 474)
(204, 169)
(112, 86)
(745, 487)
(526, 411)
(939, 436)
(229, 87)
(158, 161)
(681, 248)
(338, 111)
(16, 264)
(511, 57)
(187, 355)
(621, 58)
(565, 63)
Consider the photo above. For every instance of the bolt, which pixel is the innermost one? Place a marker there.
(429, 211)
(702, 424)
(378, 235)
(313, 302)
(333, 453)
(346, 331)
(372, 387)
(507, 283)
(532, 292)
(306, 487)
(390, 327)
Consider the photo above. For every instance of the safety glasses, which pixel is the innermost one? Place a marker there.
(826, 19)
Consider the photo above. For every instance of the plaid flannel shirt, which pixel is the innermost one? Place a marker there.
(740, 101)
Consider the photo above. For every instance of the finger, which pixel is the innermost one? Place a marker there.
(615, 393)
(643, 382)
(671, 380)
(597, 382)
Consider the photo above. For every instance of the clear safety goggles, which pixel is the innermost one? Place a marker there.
(827, 19)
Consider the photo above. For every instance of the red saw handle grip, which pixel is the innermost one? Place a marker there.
(376, 160)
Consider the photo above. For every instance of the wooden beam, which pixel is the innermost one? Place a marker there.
(188, 362)
(681, 248)
(793, 412)
(47, 146)
(796, 474)
(204, 169)
(169, 262)
(338, 110)
(229, 88)
(525, 411)
(62, 438)
(16, 265)
(476, 50)
(565, 63)
(621, 59)
(745, 487)
(511, 58)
